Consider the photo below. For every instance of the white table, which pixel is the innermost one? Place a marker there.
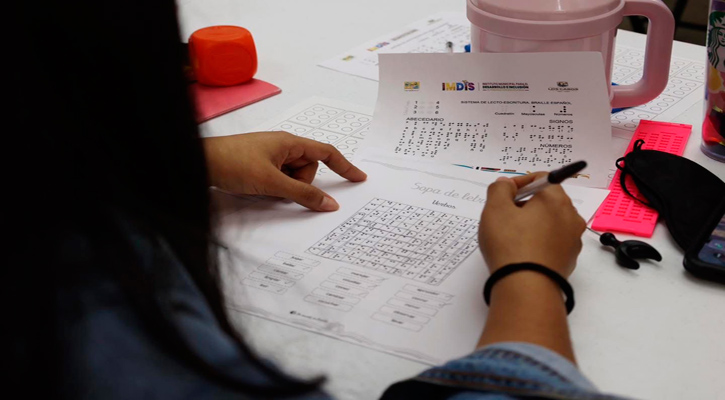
(654, 333)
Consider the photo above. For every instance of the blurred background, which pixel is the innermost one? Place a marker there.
(690, 17)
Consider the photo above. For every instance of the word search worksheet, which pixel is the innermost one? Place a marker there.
(394, 269)
(502, 112)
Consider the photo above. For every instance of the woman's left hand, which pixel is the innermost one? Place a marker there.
(275, 164)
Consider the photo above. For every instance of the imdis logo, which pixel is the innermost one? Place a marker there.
(378, 46)
(458, 86)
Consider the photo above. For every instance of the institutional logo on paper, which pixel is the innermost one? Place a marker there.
(378, 46)
(412, 86)
(505, 86)
(563, 87)
(458, 86)
(348, 58)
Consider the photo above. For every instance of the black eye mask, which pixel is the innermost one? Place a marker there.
(684, 193)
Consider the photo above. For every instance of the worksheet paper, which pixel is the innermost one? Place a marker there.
(339, 123)
(495, 112)
(684, 89)
(429, 35)
(397, 268)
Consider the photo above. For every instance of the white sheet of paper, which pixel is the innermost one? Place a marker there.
(336, 122)
(394, 269)
(684, 89)
(517, 112)
(425, 36)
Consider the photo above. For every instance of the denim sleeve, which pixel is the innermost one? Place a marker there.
(502, 371)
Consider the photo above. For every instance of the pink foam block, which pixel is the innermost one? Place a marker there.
(621, 213)
(212, 101)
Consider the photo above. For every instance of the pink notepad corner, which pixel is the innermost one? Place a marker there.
(213, 101)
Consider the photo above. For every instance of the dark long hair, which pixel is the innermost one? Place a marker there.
(106, 129)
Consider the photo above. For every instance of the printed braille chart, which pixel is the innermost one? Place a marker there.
(487, 111)
(521, 142)
(341, 124)
(399, 239)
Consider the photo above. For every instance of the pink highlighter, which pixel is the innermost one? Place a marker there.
(528, 26)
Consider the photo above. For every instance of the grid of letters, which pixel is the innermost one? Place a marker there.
(403, 240)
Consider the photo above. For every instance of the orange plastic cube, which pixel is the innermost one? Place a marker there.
(222, 55)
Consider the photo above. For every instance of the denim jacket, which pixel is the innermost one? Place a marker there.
(107, 353)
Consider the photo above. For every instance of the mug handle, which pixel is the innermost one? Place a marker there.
(660, 33)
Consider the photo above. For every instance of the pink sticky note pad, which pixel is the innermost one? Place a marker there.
(621, 213)
(214, 101)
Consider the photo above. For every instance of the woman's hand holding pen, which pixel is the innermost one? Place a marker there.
(545, 230)
(275, 164)
(527, 306)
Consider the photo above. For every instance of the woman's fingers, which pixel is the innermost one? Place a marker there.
(302, 193)
(315, 151)
(524, 180)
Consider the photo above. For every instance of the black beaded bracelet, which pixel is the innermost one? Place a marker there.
(511, 268)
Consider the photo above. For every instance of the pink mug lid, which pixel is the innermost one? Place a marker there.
(547, 10)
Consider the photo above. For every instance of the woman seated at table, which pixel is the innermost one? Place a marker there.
(110, 286)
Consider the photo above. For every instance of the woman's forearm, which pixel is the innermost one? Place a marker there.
(527, 306)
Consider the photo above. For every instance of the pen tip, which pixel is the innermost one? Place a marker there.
(566, 171)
